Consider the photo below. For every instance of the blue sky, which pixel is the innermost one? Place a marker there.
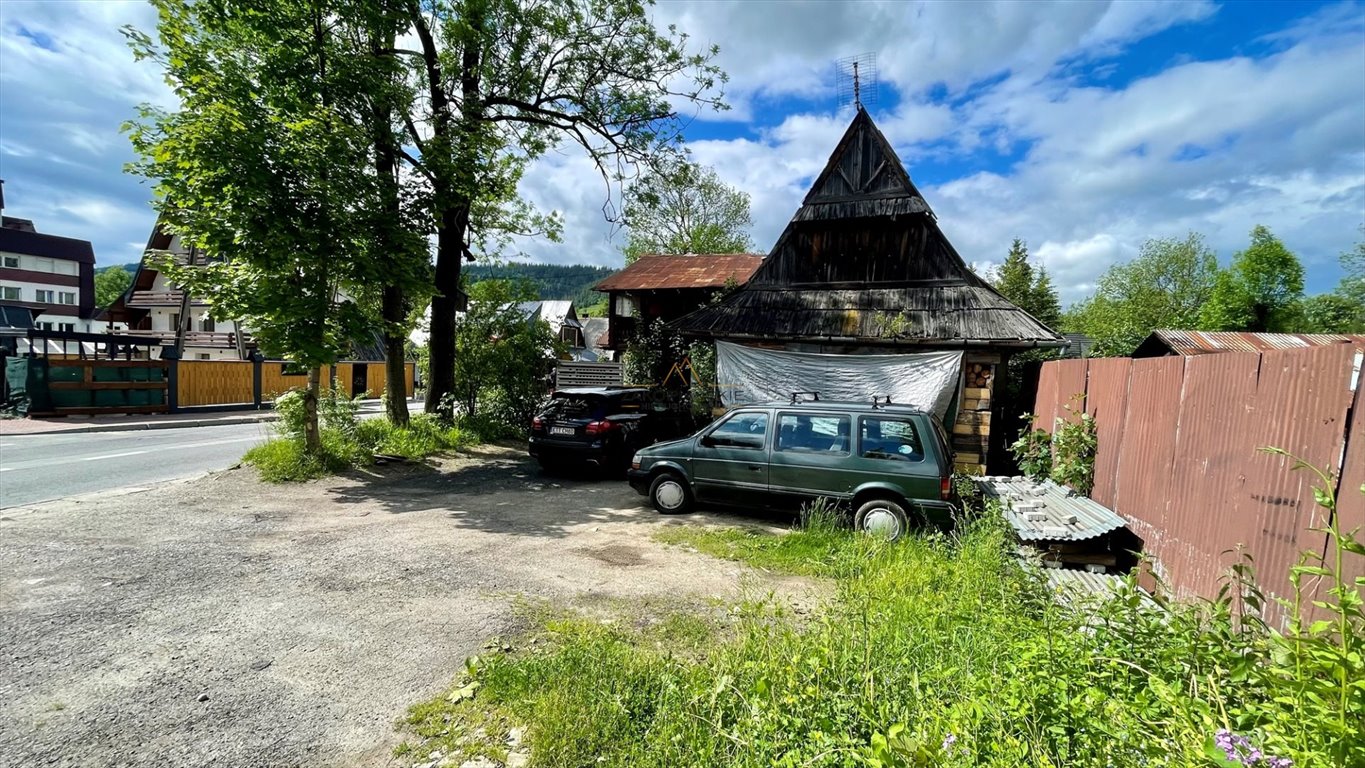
(1083, 127)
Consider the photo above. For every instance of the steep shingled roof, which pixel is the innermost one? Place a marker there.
(863, 261)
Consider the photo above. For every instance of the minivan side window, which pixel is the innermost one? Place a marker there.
(889, 438)
(813, 433)
(742, 430)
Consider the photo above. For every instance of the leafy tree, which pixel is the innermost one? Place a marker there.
(505, 81)
(502, 356)
(1332, 313)
(1261, 290)
(110, 284)
(683, 207)
(1164, 287)
(1030, 290)
(265, 169)
(1352, 285)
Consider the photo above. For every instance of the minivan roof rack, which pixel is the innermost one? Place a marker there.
(881, 401)
(814, 397)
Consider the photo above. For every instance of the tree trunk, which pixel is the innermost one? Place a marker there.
(441, 340)
(395, 353)
(312, 436)
(454, 199)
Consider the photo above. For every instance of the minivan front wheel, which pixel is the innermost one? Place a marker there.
(670, 495)
(882, 518)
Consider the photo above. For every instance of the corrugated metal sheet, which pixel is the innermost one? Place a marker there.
(1106, 401)
(1351, 489)
(1079, 589)
(1206, 342)
(1045, 511)
(1148, 447)
(1212, 445)
(1190, 481)
(1302, 403)
(655, 272)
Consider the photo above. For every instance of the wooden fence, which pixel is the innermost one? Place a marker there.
(1178, 455)
(231, 382)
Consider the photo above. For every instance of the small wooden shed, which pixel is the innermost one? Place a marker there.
(862, 268)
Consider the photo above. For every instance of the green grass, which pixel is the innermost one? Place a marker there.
(939, 650)
(283, 459)
(808, 554)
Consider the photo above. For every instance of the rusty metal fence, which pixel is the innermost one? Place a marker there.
(1178, 457)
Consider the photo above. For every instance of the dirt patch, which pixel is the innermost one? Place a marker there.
(224, 622)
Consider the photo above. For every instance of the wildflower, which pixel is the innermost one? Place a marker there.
(1239, 749)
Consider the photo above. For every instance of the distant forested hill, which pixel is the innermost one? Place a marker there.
(129, 268)
(553, 281)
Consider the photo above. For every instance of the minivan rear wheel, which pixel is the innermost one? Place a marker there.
(883, 518)
(670, 495)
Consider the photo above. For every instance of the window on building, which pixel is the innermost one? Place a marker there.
(11, 261)
(623, 306)
(67, 297)
(204, 356)
(44, 326)
(45, 297)
(175, 321)
(67, 327)
(813, 433)
(41, 265)
(9, 292)
(64, 267)
(207, 325)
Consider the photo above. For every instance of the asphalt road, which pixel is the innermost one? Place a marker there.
(37, 468)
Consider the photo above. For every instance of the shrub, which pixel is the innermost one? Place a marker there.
(1033, 451)
(283, 459)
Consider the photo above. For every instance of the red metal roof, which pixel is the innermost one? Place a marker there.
(659, 272)
(1206, 342)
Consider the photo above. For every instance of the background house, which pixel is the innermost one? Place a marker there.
(862, 268)
(50, 275)
(659, 287)
(1163, 343)
(155, 308)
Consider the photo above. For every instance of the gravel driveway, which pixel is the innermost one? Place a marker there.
(224, 622)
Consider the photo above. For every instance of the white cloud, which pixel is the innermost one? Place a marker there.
(1213, 145)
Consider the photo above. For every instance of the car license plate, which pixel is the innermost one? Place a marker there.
(561, 430)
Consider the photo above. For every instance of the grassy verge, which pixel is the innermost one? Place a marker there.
(940, 650)
(354, 444)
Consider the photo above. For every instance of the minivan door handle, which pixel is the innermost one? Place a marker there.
(755, 467)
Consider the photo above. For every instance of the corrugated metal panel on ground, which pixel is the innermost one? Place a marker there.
(1079, 589)
(1106, 399)
(1044, 511)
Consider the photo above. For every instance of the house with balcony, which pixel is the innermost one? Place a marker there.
(158, 309)
(52, 276)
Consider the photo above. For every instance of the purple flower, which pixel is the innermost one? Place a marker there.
(1240, 750)
(948, 742)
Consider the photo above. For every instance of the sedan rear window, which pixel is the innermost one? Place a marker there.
(889, 438)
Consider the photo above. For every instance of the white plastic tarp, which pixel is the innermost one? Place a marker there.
(926, 381)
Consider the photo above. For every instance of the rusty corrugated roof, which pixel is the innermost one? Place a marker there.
(653, 272)
(1207, 342)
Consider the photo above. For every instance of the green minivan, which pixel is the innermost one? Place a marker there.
(885, 462)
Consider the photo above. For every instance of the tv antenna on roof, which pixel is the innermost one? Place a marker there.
(855, 80)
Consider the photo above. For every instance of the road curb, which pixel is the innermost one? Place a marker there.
(149, 425)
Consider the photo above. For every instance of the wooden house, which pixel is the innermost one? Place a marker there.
(666, 287)
(864, 268)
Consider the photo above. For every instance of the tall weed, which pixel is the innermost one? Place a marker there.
(942, 650)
